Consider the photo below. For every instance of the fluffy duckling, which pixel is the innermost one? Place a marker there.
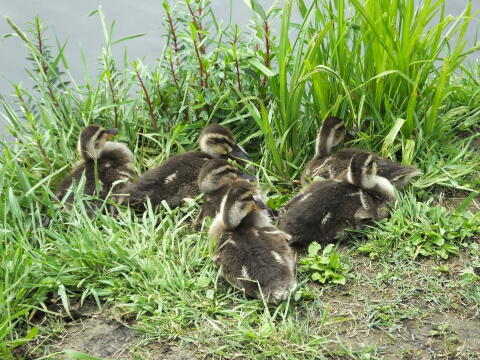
(214, 180)
(327, 165)
(252, 254)
(112, 161)
(325, 208)
(176, 178)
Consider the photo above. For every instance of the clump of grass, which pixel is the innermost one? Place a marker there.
(421, 229)
(387, 68)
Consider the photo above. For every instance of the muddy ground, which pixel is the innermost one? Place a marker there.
(100, 334)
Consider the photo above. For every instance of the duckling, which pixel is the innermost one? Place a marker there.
(325, 208)
(327, 165)
(176, 178)
(214, 180)
(111, 163)
(252, 254)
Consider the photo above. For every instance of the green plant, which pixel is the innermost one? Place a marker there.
(417, 228)
(386, 67)
(470, 275)
(323, 267)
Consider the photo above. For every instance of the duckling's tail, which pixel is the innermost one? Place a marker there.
(400, 176)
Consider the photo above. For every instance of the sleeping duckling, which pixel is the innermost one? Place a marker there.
(252, 254)
(325, 208)
(327, 165)
(176, 178)
(214, 180)
(112, 162)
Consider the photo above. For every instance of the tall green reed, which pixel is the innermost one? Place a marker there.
(387, 67)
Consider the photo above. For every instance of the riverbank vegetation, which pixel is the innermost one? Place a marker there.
(395, 72)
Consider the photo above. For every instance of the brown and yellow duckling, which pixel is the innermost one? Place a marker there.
(214, 180)
(252, 254)
(325, 208)
(176, 178)
(108, 166)
(326, 165)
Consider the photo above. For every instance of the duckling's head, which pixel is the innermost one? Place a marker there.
(239, 202)
(330, 134)
(362, 172)
(217, 141)
(217, 173)
(92, 141)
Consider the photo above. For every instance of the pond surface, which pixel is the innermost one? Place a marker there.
(70, 21)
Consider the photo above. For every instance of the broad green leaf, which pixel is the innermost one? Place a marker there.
(314, 248)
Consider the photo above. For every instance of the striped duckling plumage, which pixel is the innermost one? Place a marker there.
(253, 254)
(112, 162)
(328, 165)
(176, 178)
(214, 180)
(325, 208)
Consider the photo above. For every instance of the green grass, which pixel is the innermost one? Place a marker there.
(422, 229)
(394, 75)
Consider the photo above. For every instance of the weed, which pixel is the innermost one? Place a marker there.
(470, 275)
(325, 267)
(417, 228)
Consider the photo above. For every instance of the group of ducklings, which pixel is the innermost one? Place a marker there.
(341, 189)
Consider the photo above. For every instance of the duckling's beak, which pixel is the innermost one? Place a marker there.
(239, 153)
(110, 133)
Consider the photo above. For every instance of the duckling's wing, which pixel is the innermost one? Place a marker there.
(115, 171)
(264, 258)
(317, 169)
(172, 181)
(331, 167)
(74, 176)
(318, 215)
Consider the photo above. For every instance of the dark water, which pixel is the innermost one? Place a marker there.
(70, 21)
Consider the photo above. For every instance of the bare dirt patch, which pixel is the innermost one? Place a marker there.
(404, 311)
(102, 335)
(98, 336)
